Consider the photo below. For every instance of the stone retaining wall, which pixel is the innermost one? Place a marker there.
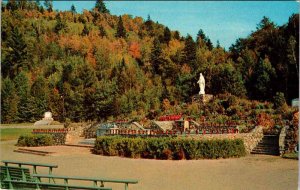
(59, 138)
(250, 139)
(282, 140)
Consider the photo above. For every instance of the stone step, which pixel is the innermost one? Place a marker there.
(35, 152)
(267, 153)
(265, 150)
(80, 145)
(267, 145)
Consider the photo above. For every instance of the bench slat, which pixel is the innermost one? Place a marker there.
(129, 181)
(45, 185)
(29, 163)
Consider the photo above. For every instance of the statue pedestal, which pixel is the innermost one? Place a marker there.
(202, 98)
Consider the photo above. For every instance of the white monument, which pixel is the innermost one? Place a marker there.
(201, 82)
(48, 116)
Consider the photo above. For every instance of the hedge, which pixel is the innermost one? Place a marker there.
(35, 140)
(168, 148)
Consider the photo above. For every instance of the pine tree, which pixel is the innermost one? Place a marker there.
(23, 91)
(40, 93)
(49, 5)
(73, 9)
(100, 6)
(102, 32)
(176, 35)
(12, 5)
(209, 44)
(16, 59)
(121, 32)
(156, 55)
(263, 75)
(167, 35)
(61, 24)
(149, 26)
(85, 31)
(218, 44)
(9, 101)
(189, 52)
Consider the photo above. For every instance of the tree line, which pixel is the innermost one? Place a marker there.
(94, 65)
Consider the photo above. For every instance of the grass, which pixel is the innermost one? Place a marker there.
(17, 125)
(293, 155)
(13, 133)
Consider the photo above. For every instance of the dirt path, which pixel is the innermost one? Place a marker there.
(251, 172)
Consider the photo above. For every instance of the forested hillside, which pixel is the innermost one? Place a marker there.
(94, 65)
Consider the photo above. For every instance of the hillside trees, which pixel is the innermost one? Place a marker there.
(93, 65)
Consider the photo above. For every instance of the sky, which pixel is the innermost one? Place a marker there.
(220, 20)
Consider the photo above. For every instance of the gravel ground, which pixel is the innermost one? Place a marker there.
(253, 172)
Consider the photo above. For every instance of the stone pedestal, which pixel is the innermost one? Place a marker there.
(203, 98)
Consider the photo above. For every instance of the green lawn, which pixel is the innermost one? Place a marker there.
(13, 133)
(17, 124)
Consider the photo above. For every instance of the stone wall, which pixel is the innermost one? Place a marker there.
(250, 139)
(282, 140)
(59, 138)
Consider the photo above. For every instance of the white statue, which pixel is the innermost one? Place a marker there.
(201, 82)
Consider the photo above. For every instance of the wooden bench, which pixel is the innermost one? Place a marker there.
(94, 180)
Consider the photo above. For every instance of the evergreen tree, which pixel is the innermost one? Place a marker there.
(61, 24)
(17, 58)
(12, 5)
(218, 44)
(73, 9)
(121, 32)
(189, 52)
(209, 44)
(176, 35)
(40, 93)
(265, 23)
(102, 32)
(23, 91)
(156, 55)
(100, 6)
(203, 40)
(149, 26)
(226, 79)
(167, 35)
(9, 101)
(85, 31)
(263, 75)
(49, 5)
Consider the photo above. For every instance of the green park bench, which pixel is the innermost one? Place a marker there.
(13, 173)
(13, 177)
(95, 181)
(15, 184)
(34, 165)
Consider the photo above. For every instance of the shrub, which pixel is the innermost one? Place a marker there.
(279, 100)
(168, 148)
(35, 140)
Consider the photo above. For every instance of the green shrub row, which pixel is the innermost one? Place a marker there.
(35, 140)
(168, 148)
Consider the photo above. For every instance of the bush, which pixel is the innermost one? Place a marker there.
(279, 100)
(168, 148)
(35, 140)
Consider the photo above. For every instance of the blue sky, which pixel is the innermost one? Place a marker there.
(220, 20)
